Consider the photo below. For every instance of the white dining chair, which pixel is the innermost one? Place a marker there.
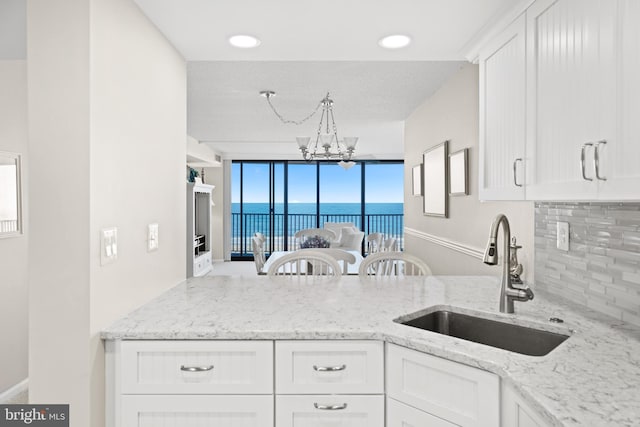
(374, 242)
(339, 255)
(393, 264)
(389, 244)
(257, 247)
(307, 263)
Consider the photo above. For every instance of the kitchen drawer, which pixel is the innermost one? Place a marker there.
(401, 415)
(197, 411)
(317, 367)
(457, 393)
(333, 410)
(220, 367)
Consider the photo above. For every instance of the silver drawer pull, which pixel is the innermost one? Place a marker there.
(515, 178)
(582, 159)
(329, 368)
(196, 368)
(330, 407)
(596, 160)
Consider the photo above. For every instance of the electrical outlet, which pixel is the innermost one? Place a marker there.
(562, 236)
(108, 245)
(152, 237)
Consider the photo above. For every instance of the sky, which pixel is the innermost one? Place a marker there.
(384, 183)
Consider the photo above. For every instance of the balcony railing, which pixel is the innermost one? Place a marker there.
(243, 226)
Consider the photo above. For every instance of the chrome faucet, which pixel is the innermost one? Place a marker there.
(508, 293)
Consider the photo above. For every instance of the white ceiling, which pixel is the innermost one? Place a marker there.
(307, 49)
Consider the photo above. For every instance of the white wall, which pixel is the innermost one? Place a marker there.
(215, 176)
(13, 251)
(111, 154)
(452, 114)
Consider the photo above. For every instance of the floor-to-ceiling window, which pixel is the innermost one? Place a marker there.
(278, 198)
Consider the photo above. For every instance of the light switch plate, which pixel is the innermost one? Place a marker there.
(562, 236)
(108, 245)
(152, 237)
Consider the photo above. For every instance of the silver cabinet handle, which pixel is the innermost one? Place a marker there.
(329, 368)
(330, 407)
(515, 176)
(582, 159)
(196, 368)
(596, 160)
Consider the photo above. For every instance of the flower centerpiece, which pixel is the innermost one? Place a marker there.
(315, 242)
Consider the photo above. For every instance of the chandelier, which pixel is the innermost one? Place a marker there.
(327, 145)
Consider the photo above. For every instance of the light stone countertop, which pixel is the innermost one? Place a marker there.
(592, 379)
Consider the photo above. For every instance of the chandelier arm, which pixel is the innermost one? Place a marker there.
(291, 122)
(335, 131)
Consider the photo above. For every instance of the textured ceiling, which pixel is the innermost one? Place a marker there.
(371, 101)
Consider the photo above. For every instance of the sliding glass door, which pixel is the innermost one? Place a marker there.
(278, 198)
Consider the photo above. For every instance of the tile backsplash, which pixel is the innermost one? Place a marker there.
(601, 270)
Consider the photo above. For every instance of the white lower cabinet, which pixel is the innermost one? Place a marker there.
(333, 383)
(516, 412)
(456, 393)
(197, 411)
(330, 411)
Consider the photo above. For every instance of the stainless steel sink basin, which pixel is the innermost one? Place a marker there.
(519, 339)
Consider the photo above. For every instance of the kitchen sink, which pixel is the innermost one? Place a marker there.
(506, 336)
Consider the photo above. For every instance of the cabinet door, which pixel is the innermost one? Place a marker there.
(620, 159)
(401, 415)
(571, 94)
(515, 412)
(196, 411)
(459, 394)
(330, 410)
(502, 115)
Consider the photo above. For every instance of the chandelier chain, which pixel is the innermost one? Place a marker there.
(292, 122)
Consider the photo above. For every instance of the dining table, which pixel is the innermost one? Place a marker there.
(352, 269)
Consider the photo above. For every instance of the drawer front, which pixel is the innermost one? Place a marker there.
(457, 393)
(197, 411)
(317, 367)
(401, 415)
(197, 367)
(333, 410)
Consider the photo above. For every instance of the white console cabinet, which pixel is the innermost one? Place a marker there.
(199, 260)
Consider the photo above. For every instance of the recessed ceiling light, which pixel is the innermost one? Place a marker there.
(244, 41)
(395, 41)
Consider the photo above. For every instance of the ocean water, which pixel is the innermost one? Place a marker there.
(379, 217)
(325, 208)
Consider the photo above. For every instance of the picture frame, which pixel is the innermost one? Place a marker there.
(435, 180)
(416, 180)
(459, 173)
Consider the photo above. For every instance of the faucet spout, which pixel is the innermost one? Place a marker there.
(508, 293)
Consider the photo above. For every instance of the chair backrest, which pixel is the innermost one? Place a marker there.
(337, 227)
(260, 236)
(374, 242)
(326, 234)
(339, 255)
(389, 244)
(308, 263)
(257, 246)
(393, 264)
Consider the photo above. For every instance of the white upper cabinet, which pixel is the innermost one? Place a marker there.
(620, 160)
(502, 115)
(571, 94)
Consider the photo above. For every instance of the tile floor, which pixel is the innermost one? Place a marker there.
(233, 268)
